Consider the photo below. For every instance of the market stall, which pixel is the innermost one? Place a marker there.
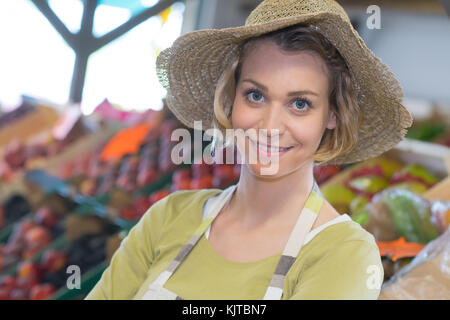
(73, 185)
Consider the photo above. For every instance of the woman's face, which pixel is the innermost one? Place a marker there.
(287, 92)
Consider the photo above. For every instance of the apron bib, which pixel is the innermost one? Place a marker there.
(211, 208)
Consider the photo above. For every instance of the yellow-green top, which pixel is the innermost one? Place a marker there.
(342, 261)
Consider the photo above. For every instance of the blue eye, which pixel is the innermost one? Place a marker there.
(256, 94)
(302, 105)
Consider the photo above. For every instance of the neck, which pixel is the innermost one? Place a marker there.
(259, 202)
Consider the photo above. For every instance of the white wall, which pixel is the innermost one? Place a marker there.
(415, 46)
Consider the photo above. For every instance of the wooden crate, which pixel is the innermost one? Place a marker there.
(53, 165)
(33, 123)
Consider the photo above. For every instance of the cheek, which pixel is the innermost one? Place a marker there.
(242, 117)
(308, 133)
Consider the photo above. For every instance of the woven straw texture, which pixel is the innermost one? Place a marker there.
(190, 68)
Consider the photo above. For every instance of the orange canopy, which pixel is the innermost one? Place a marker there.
(126, 141)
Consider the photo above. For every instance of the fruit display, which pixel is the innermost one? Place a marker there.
(95, 176)
(196, 176)
(411, 215)
(19, 155)
(39, 280)
(30, 236)
(326, 172)
(107, 185)
(396, 213)
(353, 193)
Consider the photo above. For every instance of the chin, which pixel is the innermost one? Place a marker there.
(269, 171)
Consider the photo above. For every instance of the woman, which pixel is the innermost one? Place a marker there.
(299, 72)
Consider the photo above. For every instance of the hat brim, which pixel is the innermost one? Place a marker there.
(190, 68)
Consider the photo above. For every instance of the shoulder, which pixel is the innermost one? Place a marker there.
(187, 199)
(339, 239)
(177, 204)
(341, 262)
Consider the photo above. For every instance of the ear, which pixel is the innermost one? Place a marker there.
(331, 120)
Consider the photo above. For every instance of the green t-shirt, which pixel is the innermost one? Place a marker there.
(342, 261)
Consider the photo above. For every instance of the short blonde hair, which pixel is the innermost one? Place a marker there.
(342, 98)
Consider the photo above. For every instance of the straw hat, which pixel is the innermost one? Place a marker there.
(190, 68)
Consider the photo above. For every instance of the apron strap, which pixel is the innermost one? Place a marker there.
(208, 216)
(302, 227)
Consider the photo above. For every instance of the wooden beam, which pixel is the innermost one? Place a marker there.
(134, 21)
(43, 6)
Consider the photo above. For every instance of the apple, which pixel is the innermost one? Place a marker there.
(146, 176)
(184, 184)
(46, 217)
(28, 282)
(414, 186)
(158, 195)
(365, 171)
(141, 205)
(367, 185)
(200, 169)
(414, 172)
(339, 196)
(42, 291)
(82, 165)
(358, 204)
(224, 170)
(15, 154)
(28, 268)
(5, 294)
(29, 253)
(14, 248)
(53, 261)
(6, 172)
(323, 173)
(66, 170)
(224, 175)
(127, 213)
(203, 182)
(21, 229)
(8, 282)
(181, 174)
(38, 237)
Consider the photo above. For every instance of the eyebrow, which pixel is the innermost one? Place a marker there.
(294, 93)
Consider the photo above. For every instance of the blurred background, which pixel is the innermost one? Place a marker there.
(85, 138)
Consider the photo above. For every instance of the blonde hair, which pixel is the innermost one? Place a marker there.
(342, 98)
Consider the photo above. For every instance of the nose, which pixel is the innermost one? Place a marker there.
(272, 123)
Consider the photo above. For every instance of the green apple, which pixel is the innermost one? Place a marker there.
(419, 171)
(389, 167)
(358, 204)
(371, 184)
(413, 186)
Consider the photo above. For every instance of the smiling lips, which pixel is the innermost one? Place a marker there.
(269, 150)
